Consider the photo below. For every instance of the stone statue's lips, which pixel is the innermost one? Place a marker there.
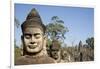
(32, 46)
(55, 56)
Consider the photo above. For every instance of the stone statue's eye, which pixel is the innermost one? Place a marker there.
(27, 36)
(37, 35)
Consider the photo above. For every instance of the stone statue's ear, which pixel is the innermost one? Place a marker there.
(45, 40)
(45, 37)
(44, 44)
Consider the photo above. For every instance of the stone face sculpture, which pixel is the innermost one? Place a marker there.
(34, 41)
(55, 51)
(66, 56)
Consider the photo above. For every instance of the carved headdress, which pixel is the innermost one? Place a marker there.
(33, 20)
(55, 45)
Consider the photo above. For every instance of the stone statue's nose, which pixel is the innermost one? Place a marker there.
(55, 53)
(33, 40)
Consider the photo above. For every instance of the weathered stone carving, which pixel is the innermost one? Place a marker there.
(34, 41)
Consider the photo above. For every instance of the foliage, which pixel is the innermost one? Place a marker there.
(16, 22)
(90, 42)
(17, 52)
(56, 29)
(87, 54)
(49, 42)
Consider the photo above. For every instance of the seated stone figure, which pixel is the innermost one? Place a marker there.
(55, 51)
(34, 41)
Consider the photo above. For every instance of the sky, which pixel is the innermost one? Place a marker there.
(79, 20)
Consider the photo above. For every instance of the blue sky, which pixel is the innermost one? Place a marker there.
(79, 20)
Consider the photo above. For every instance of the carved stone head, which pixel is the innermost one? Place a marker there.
(33, 33)
(55, 50)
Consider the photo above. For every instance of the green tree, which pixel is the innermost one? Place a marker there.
(16, 24)
(56, 29)
(90, 42)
